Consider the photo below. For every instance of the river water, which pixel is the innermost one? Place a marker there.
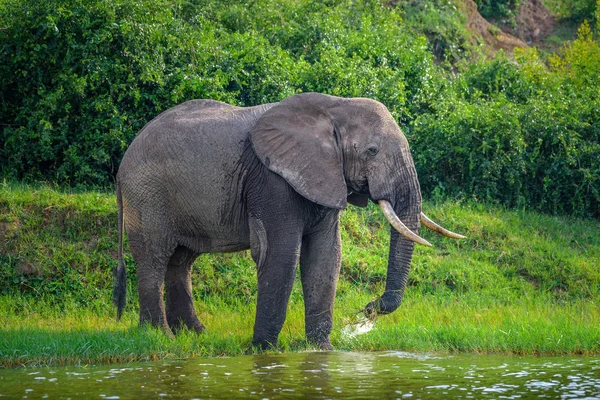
(318, 375)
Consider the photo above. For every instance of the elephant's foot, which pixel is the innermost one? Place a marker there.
(168, 333)
(179, 324)
(317, 333)
(263, 344)
(321, 343)
(326, 345)
(160, 324)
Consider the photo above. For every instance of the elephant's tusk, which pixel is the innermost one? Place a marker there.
(442, 231)
(393, 219)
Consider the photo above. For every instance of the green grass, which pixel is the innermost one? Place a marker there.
(521, 283)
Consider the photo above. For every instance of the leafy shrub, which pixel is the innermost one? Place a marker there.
(76, 78)
(79, 79)
(343, 47)
(518, 133)
(499, 10)
(471, 148)
(579, 66)
(576, 10)
(443, 24)
(489, 78)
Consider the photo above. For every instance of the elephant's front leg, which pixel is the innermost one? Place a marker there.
(276, 253)
(320, 260)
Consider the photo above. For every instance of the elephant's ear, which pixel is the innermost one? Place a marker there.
(297, 140)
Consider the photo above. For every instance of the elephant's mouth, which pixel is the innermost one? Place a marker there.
(360, 187)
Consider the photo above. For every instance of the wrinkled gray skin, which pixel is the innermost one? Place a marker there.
(206, 177)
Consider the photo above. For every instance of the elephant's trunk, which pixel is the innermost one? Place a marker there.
(405, 220)
(402, 241)
(399, 261)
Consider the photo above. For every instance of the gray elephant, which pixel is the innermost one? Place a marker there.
(207, 177)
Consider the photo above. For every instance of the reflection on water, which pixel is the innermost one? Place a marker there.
(318, 375)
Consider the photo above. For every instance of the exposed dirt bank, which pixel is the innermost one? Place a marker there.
(534, 23)
(491, 35)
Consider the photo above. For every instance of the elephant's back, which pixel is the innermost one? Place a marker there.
(182, 163)
(196, 128)
(190, 111)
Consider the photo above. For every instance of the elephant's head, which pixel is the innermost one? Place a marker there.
(335, 150)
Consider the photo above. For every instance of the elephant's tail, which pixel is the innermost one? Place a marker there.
(120, 289)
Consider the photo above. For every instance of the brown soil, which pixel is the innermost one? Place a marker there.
(490, 34)
(4, 231)
(534, 23)
(26, 268)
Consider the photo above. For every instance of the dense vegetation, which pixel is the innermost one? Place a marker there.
(78, 79)
(505, 10)
(60, 247)
(521, 283)
(576, 10)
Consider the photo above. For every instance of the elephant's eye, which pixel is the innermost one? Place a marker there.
(372, 150)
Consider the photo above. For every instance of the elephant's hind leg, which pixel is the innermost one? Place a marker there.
(178, 281)
(151, 267)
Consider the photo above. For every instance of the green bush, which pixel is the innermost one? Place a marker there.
(518, 133)
(443, 24)
(79, 79)
(343, 47)
(472, 148)
(575, 10)
(498, 10)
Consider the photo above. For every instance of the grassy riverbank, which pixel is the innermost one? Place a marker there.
(522, 283)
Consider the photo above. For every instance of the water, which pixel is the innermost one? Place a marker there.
(318, 375)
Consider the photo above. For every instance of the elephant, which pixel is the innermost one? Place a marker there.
(206, 177)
